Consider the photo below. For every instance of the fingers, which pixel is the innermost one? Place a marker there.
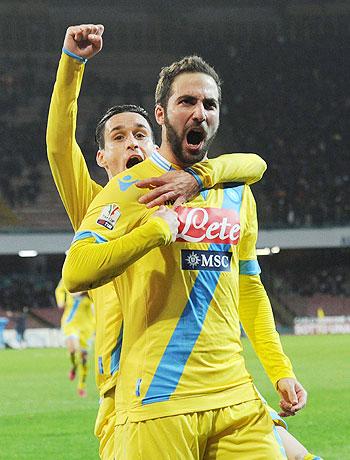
(95, 40)
(83, 31)
(158, 196)
(179, 201)
(85, 40)
(286, 414)
(287, 409)
(151, 182)
(292, 396)
(170, 217)
(154, 193)
(302, 398)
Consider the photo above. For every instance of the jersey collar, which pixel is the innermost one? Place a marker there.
(161, 162)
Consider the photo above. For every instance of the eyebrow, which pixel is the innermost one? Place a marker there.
(194, 98)
(121, 127)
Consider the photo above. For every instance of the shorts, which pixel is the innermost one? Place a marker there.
(244, 432)
(104, 426)
(82, 335)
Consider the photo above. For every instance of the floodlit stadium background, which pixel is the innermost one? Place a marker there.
(285, 66)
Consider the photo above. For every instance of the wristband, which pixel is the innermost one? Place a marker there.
(74, 56)
(195, 175)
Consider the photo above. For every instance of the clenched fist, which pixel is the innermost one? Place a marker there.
(170, 217)
(84, 40)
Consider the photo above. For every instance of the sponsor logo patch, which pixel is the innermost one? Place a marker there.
(109, 216)
(208, 225)
(218, 261)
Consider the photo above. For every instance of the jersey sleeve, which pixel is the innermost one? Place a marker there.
(99, 253)
(67, 163)
(248, 263)
(255, 310)
(234, 167)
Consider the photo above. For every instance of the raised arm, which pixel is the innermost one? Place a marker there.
(66, 160)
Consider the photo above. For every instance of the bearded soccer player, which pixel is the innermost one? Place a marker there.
(78, 327)
(181, 369)
(124, 136)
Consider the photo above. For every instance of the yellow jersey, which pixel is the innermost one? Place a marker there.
(181, 302)
(78, 309)
(77, 190)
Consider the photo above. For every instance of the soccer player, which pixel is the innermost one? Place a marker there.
(78, 326)
(124, 136)
(181, 371)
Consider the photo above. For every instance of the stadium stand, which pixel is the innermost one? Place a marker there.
(292, 107)
(286, 96)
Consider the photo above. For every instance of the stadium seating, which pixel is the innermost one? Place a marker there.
(289, 106)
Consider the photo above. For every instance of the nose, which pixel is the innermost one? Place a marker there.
(131, 142)
(199, 113)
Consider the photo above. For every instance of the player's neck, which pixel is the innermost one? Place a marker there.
(166, 151)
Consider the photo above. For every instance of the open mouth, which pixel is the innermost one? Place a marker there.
(133, 160)
(194, 138)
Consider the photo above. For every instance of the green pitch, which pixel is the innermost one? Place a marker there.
(42, 418)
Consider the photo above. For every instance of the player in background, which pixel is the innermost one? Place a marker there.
(290, 402)
(78, 326)
(124, 136)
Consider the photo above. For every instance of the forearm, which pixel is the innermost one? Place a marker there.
(60, 134)
(68, 167)
(90, 264)
(234, 167)
(257, 319)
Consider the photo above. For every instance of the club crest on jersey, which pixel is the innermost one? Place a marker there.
(109, 216)
(219, 261)
(208, 225)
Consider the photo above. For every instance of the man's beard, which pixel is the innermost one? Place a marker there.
(175, 141)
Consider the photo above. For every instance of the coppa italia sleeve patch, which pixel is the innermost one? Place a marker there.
(109, 216)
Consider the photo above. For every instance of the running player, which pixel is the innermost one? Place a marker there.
(178, 371)
(118, 149)
(78, 326)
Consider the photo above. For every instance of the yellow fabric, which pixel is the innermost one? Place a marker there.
(77, 190)
(82, 334)
(257, 320)
(78, 318)
(243, 167)
(104, 426)
(243, 431)
(181, 336)
(277, 419)
(60, 294)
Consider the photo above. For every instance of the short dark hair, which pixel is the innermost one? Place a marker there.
(100, 128)
(189, 64)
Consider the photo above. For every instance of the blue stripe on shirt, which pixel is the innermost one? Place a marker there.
(89, 234)
(249, 267)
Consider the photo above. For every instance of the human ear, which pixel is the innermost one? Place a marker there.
(159, 114)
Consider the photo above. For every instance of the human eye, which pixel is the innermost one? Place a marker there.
(118, 137)
(187, 101)
(210, 105)
(140, 135)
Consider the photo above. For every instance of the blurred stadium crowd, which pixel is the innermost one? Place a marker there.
(285, 96)
(290, 104)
